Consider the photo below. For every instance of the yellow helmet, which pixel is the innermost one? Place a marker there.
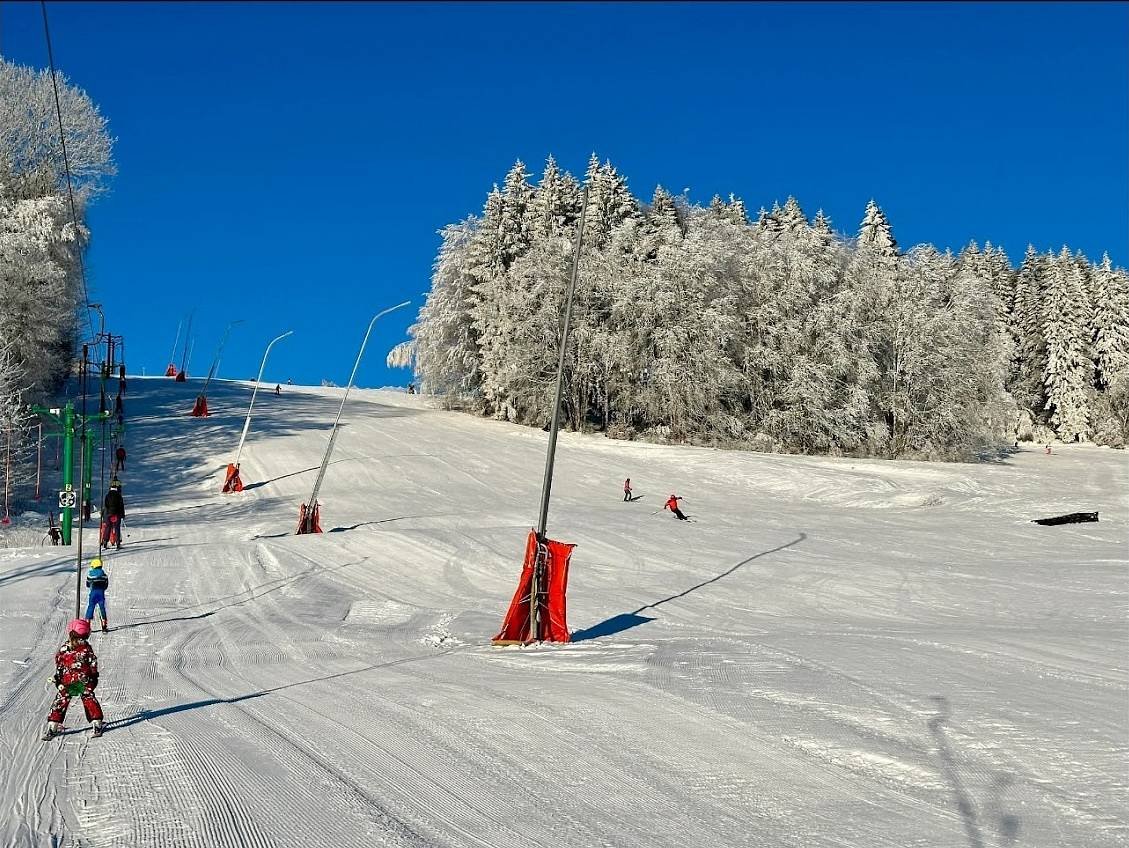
(96, 563)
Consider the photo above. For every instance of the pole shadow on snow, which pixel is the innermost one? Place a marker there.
(397, 518)
(40, 570)
(1007, 824)
(275, 585)
(626, 620)
(251, 486)
(146, 715)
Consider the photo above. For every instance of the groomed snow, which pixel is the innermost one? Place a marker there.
(835, 653)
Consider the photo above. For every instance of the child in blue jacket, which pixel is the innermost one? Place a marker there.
(97, 581)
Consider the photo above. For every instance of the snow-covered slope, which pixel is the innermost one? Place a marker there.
(835, 653)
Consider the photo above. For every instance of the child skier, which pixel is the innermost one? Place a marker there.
(119, 455)
(97, 581)
(672, 505)
(627, 489)
(76, 673)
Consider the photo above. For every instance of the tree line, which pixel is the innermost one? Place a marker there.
(706, 325)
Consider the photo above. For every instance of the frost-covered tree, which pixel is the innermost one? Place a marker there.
(1068, 375)
(556, 203)
(610, 203)
(445, 335)
(1110, 322)
(1027, 330)
(875, 231)
(31, 160)
(38, 287)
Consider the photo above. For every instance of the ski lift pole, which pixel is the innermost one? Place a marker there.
(176, 341)
(313, 501)
(219, 352)
(547, 485)
(250, 406)
(39, 461)
(81, 463)
(184, 356)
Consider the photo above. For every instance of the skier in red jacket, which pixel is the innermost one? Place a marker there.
(76, 673)
(627, 489)
(672, 505)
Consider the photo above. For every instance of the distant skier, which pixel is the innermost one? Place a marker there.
(118, 409)
(277, 389)
(97, 581)
(672, 505)
(1048, 448)
(119, 456)
(113, 514)
(76, 673)
(627, 489)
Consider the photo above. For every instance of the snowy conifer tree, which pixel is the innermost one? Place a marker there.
(1068, 375)
(1110, 323)
(445, 336)
(875, 231)
(1027, 329)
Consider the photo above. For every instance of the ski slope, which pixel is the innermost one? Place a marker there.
(834, 653)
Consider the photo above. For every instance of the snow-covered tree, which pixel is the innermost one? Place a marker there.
(556, 203)
(1027, 329)
(609, 202)
(1068, 375)
(1110, 322)
(38, 287)
(875, 231)
(445, 335)
(31, 160)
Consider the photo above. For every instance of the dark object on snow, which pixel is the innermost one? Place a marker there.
(1073, 518)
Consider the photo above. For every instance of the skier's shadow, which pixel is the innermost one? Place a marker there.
(626, 620)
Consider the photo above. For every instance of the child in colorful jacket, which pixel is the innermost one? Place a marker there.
(76, 673)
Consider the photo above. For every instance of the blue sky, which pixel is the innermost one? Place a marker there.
(290, 164)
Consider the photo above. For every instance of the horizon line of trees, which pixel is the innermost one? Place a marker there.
(705, 325)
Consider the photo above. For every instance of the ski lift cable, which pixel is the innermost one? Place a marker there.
(67, 166)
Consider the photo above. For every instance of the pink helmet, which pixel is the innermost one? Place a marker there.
(79, 627)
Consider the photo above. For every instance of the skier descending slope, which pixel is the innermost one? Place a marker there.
(672, 505)
(76, 673)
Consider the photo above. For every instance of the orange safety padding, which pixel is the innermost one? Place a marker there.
(551, 597)
(232, 483)
(170, 371)
(182, 377)
(200, 409)
(303, 521)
